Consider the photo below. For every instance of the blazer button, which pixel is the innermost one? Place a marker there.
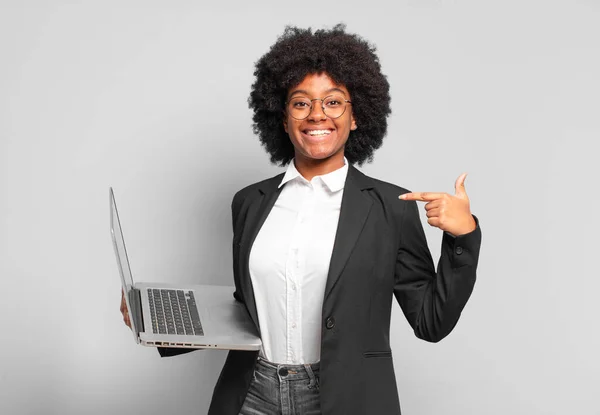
(330, 323)
(459, 250)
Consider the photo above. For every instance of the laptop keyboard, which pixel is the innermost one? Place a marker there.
(174, 312)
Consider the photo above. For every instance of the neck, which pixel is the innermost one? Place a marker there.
(310, 168)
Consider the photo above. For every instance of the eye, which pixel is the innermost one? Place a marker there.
(333, 102)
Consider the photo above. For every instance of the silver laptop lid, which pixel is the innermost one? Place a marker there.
(123, 262)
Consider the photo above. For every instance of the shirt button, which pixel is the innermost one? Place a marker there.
(293, 325)
(330, 323)
(459, 250)
(294, 287)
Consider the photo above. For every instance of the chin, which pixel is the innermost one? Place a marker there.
(321, 154)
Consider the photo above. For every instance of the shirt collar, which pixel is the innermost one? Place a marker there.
(334, 180)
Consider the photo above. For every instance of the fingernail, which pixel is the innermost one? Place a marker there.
(402, 197)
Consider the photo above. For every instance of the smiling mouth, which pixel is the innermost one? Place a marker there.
(317, 133)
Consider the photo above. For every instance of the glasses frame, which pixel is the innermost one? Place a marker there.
(346, 101)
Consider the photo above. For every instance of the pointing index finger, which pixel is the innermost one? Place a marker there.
(421, 196)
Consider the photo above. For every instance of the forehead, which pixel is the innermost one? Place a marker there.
(317, 84)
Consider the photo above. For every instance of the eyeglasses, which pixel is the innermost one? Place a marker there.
(333, 106)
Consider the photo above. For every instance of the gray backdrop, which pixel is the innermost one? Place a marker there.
(150, 97)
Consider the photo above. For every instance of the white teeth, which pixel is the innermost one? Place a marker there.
(318, 132)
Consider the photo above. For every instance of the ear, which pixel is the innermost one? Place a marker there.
(353, 125)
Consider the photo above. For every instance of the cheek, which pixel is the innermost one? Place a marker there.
(345, 128)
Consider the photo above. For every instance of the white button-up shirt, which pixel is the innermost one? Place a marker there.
(289, 262)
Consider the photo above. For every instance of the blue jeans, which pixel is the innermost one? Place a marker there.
(283, 390)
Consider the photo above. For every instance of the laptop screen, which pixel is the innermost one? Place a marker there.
(122, 260)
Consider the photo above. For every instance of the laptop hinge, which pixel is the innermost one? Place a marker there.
(135, 300)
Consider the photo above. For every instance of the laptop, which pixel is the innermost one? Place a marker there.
(184, 316)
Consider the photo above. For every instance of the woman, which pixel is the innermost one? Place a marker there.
(319, 250)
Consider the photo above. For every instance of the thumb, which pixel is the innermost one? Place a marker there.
(459, 186)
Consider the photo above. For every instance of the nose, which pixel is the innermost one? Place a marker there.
(316, 112)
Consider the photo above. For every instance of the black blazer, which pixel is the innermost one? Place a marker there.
(380, 249)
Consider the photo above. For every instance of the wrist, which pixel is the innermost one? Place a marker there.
(472, 225)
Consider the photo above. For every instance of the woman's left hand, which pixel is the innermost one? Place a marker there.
(449, 213)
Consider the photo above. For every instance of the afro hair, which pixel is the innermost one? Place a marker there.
(348, 59)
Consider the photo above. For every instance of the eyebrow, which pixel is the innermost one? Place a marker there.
(302, 91)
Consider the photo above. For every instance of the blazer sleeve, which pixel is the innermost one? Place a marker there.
(236, 205)
(433, 301)
(173, 351)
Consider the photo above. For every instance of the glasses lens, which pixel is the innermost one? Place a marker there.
(334, 106)
(299, 108)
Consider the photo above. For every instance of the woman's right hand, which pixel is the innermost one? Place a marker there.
(124, 310)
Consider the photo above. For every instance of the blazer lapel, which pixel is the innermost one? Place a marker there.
(257, 214)
(353, 215)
